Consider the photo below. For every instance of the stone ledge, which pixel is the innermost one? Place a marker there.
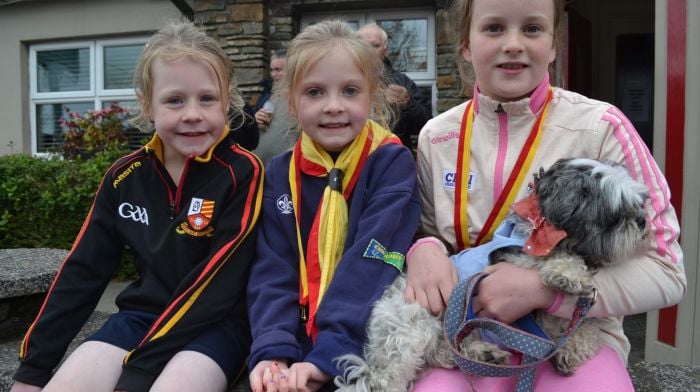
(9, 349)
(28, 271)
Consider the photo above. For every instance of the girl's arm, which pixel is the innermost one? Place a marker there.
(215, 287)
(75, 290)
(383, 216)
(431, 276)
(655, 279)
(273, 288)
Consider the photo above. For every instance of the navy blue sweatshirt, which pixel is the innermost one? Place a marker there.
(383, 214)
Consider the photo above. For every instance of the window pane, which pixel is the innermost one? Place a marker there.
(355, 24)
(49, 132)
(408, 43)
(63, 70)
(119, 65)
(135, 137)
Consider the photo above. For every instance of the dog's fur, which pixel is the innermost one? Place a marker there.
(602, 210)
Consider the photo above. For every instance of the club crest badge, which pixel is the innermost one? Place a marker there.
(198, 217)
(200, 213)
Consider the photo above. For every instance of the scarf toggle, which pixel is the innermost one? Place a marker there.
(544, 235)
(335, 180)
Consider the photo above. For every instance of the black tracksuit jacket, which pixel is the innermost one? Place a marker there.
(193, 243)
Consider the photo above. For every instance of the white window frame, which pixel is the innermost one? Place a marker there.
(365, 17)
(96, 92)
(426, 78)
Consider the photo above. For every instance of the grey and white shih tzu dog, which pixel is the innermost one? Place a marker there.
(581, 216)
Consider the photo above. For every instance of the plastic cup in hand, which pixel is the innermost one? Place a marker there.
(268, 107)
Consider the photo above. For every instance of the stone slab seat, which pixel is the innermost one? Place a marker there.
(25, 277)
(28, 271)
(9, 349)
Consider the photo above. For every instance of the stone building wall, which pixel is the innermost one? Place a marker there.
(249, 30)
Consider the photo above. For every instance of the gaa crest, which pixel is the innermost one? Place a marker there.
(198, 216)
(200, 213)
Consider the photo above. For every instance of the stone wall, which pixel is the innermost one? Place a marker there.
(249, 30)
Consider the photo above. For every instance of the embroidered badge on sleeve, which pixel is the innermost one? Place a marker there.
(377, 251)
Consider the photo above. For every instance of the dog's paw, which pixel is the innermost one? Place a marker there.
(568, 275)
(566, 365)
(486, 352)
(582, 345)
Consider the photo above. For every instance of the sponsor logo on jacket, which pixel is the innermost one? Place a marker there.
(198, 218)
(125, 173)
(135, 213)
(452, 135)
(449, 179)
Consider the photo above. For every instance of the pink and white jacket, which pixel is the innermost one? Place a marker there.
(575, 127)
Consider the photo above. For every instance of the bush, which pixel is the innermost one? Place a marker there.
(43, 201)
(93, 131)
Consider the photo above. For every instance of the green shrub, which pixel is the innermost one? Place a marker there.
(93, 131)
(43, 201)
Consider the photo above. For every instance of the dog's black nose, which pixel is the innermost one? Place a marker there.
(641, 222)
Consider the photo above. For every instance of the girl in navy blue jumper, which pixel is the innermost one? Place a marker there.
(339, 212)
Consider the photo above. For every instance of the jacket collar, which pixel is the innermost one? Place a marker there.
(531, 104)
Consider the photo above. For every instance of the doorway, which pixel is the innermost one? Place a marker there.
(610, 51)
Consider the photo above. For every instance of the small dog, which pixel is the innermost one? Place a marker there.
(597, 214)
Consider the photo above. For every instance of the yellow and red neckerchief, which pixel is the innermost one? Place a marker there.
(329, 229)
(510, 190)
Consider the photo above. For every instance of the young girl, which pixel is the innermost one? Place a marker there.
(185, 204)
(515, 124)
(339, 213)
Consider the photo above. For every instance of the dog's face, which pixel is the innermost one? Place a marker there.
(601, 208)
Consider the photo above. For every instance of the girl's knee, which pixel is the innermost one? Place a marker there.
(93, 366)
(606, 372)
(191, 371)
(439, 379)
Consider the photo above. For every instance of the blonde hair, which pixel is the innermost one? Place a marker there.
(321, 39)
(462, 12)
(176, 40)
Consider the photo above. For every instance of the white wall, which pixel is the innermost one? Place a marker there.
(28, 22)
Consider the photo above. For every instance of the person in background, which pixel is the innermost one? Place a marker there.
(244, 128)
(515, 124)
(186, 205)
(339, 212)
(277, 127)
(412, 107)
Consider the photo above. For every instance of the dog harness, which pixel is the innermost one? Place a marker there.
(524, 336)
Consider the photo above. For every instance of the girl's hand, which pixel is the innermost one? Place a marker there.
(430, 277)
(263, 375)
(511, 292)
(22, 387)
(262, 117)
(306, 377)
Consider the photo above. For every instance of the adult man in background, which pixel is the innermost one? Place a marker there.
(411, 105)
(278, 131)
